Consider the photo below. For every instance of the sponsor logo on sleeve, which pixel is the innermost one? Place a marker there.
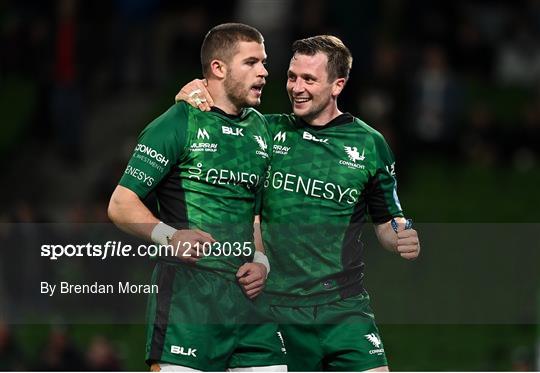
(139, 175)
(392, 169)
(152, 153)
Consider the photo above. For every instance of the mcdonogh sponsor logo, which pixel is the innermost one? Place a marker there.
(141, 148)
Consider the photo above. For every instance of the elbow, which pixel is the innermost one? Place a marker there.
(113, 210)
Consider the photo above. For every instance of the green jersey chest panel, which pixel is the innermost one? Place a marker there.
(223, 156)
(319, 190)
(326, 169)
(329, 169)
(206, 170)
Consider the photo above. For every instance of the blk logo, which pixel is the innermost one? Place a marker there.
(309, 136)
(232, 131)
(178, 350)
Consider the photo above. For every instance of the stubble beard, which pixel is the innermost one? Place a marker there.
(236, 91)
(315, 111)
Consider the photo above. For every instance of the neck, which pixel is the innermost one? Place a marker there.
(325, 116)
(218, 94)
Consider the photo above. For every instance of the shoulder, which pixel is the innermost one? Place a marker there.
(279, 122)
(171, 118)
(376, 137)
(279, 119)
(253, 113)
(376, 142)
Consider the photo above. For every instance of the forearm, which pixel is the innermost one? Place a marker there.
(257, 234)
(259, 255)
(129, 214)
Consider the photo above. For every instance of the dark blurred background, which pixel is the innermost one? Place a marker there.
(453, 86)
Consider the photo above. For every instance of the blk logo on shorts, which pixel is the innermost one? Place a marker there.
(182, 351)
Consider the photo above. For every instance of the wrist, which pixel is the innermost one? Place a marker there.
(162, 233)
(260, 258)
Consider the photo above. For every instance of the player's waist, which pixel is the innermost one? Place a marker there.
(224, 267)
(312, 296)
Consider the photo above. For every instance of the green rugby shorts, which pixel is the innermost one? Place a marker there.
(201, 320)
(339, 336)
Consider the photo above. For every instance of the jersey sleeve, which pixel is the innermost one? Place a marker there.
(382, 199)
(159, 148)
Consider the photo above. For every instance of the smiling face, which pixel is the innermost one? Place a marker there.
(246, 74)
(311, 93)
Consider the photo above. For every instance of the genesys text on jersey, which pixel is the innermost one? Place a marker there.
(118, 249)
(312, 187)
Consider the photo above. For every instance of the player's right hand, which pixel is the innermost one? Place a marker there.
(252, 278)
(408, 243)
(196, 94)
(190, 244)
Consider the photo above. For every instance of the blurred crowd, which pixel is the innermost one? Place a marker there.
(459, 80)
(58, 352)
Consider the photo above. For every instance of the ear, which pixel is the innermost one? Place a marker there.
(338, 86)
(218, 68)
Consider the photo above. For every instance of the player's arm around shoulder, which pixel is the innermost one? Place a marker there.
(196, 95)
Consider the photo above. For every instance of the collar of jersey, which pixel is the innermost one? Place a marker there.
(340, 120)
(217, 110)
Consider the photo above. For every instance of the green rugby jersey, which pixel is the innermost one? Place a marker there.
(206, 169)
(322, 184)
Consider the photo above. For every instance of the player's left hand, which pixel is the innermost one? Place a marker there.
(196, 94)
(252, 278)
(408, 244)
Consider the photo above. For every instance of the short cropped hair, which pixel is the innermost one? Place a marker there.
(339, 56)
(220, 42)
